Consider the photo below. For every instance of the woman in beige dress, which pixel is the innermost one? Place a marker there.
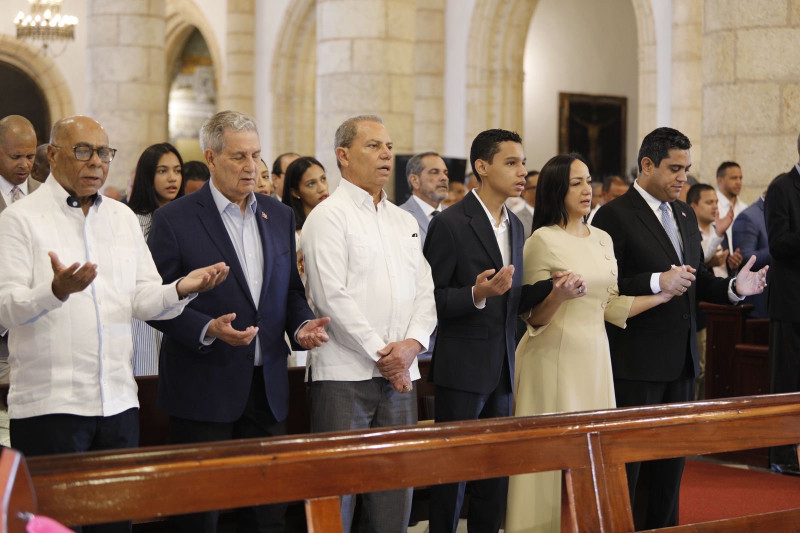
(563, 362)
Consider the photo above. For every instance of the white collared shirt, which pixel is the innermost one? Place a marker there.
(502, 237)
(426, 207)
(723, 204)
(366, 271)
(74, 356)
(6, 186)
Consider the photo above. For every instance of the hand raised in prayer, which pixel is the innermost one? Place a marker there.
(222, 329)
(203, 279)
(312, 334)
(499, 284)
(70, 279)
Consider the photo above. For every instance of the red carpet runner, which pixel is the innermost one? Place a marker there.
(713, 492)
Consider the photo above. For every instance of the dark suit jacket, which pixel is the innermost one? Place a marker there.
(655, 343)
(782, 211)
(212, 383)
(750, 236)
(473, 344)
(413, 207)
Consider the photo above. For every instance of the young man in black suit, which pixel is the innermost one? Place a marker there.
(657, 245)
(782, 212)
(474, 248)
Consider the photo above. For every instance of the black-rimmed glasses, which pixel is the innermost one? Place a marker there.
(84, 153)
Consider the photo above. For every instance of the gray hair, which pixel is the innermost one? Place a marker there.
(347, 131)
(416, 166)
(212, 129)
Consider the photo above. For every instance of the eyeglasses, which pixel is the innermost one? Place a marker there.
(84, 153)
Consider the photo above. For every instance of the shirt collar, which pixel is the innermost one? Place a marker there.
(6, 186)
(425, 206)
(652, 201)
(358, 195)
(60, 194)
(503, 212)
(797, 166)
(222, 203)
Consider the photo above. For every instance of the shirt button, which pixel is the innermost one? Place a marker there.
(251, 356)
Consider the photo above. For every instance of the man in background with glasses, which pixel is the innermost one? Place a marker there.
(76, 269)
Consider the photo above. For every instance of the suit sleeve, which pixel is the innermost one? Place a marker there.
(784, 244)
(609, 220)
(166, 251)
(297, 309)
(745, 237)
(536, 275)
(442, 254)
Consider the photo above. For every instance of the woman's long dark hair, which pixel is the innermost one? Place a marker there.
(143, 198)
(552, 189)
(291, 180)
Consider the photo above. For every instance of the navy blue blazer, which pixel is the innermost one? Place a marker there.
(212, 383)
(750, 236)
(473, 344)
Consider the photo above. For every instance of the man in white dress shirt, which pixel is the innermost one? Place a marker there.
(729, 185)
(76, 269)
(366, 271)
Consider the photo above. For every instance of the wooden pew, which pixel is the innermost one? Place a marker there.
(591, 448)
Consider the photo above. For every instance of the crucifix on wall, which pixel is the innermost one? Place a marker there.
(595, 127)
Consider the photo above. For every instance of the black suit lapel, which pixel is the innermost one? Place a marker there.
(212, 222)
(683, 221)
(267, 246)
(653, 225)
(480, 224)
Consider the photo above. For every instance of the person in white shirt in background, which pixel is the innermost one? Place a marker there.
(613, 187)
(365, 268)
(729, 185)
(76, 269)
(713, 230)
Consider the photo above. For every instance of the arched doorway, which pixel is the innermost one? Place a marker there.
(28, 101)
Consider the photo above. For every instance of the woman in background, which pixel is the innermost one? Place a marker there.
(158, 180)
(563, 363)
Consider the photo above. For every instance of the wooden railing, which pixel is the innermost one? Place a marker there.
(591, 448)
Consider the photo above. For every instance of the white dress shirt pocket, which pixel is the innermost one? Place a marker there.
(124, 268)
(359, 254)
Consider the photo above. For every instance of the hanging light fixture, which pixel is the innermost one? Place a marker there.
(45, 23)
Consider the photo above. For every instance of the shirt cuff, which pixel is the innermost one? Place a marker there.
(732, 296)
(204, 339)
(420, 337)
(298, 330)
(655, 286)
(479, 304)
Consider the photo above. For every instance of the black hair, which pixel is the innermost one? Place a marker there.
(277, 167)
(196, 171)
(294, 174)
(552, 189)
(695, 191)
(143, 198)
(487, 144)
(657, 144)
(725, 166)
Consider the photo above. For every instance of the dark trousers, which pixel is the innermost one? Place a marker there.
(256, 421)
(784, 365)
(665, 474)
(487, 497)
(63, 433)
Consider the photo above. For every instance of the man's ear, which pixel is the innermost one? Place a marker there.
(342, 156)
(480, 168)
(647, 165)
(210, 158)
(413, 180)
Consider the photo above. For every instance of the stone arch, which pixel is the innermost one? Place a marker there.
(43, 71)
(294, 80)
(183, 16)
(495, 75)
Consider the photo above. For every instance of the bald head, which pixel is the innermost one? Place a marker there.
(81, 179)
(17, 148)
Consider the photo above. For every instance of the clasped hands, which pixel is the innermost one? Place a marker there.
(76, 277)
(395, 360)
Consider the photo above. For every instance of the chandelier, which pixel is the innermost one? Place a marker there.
(45, 22)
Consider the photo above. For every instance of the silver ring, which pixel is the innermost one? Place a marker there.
(580, 289)
(406, 387)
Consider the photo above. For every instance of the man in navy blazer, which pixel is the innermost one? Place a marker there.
(226, 377)
(750, 236)
(474, 248)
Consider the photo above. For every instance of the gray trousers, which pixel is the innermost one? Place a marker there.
(345, 405)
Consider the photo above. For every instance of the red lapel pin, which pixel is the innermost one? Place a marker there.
(265, 217)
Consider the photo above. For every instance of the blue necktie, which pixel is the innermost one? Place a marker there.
(669, 227)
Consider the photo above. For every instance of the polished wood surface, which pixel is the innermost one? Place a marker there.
(16, 492)
(590, 447)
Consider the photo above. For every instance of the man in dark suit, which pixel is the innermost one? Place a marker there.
(226, 377)
(475, 251)
(427, 178)
(750, 237)
(782, 212)
(17, 152)
(657, 245)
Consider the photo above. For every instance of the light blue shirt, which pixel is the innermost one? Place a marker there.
(243, 232)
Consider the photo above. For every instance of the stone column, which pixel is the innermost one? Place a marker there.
(365, 65)
(429, 76)
(126, 80)
(687, 73)
(751, 88)
(238, 85)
